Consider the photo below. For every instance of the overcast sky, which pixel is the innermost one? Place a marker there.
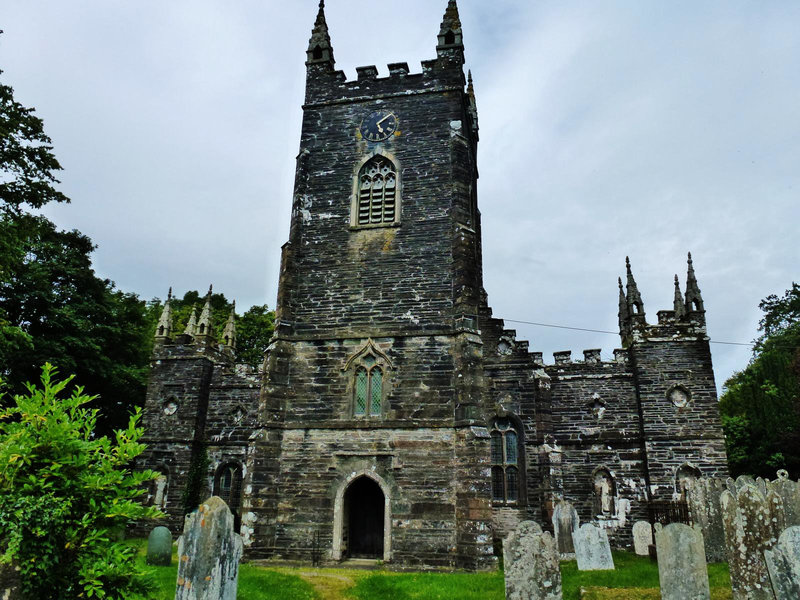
(608, 129)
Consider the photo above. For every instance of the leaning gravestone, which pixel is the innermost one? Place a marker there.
(159, 547)
(642, 537)
(682, 570)
(705, 511)
(752, 525)
(565, 521)
(592, 548)
(209, 552)
(783, 563)
(530, 558)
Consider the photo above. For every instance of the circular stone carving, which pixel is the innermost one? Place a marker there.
(679, 396)
(783, 474)
(170, 406)
(505, 346)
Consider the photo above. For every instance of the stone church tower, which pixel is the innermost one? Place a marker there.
(397, 419)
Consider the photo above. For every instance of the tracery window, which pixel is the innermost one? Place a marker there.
(377, 192)
(368, 388)
(505, 442)
(228, 486)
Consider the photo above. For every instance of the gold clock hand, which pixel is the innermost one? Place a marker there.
(382, 120)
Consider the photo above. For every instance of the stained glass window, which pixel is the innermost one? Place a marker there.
(505, 448)
(377, 192)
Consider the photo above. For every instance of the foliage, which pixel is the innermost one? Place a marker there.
(253, 332)
(60, 312)
(26, 158)
(64, 493)
(761, 404)
(194, 491)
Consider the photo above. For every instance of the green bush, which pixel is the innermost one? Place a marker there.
(65, 495)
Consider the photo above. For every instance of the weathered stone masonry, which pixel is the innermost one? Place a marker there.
(395, 417)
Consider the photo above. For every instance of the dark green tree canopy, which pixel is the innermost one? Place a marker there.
(27, 161)
(761, 404)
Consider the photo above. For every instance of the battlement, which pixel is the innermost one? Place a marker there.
(592, 356)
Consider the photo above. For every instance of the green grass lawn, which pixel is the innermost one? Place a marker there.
(635, 578)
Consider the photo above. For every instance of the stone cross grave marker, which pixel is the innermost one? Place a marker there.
(705, 510)
(783, 564)
(752, 525)
(642, 537)
(565, 521)
(682, 571)
(208, 554)
(531, 565)
(159, 547)
(592, 548)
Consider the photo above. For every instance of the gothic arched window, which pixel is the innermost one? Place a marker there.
(506, 461)
(605, 491)
(368, 388)
(377, 193)
(228, 486)
(685, 477)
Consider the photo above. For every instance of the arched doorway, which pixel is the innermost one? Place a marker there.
(364, 506)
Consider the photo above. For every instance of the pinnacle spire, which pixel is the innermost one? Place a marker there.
(191, 326)
(678, 305)
(694, 300)
(164, 327)
(473, 105)
(205, 326)
(320, 50)
(633, 297)
(623, 307)
(229, 333)
(451, 42)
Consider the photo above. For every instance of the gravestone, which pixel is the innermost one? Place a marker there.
(642, 537)
(530, 559)
(743, 480)
(565, 521)
(752, 525)
(208, 554)
(159, 547)
(682, 570)
(789, 491)
(783, 564)
(592, 548)
(705, 511)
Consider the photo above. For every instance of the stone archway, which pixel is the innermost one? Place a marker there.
(362, 518)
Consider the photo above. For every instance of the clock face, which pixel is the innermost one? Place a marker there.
(378, 126)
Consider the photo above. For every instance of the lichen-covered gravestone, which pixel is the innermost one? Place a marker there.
(752, 525)
(208, 554)
(642, 537)
(530, 560)
(159, 547)
(783, 563)
(592, 548)
(565, 521)
(682, 570)
(789, 491)
(705, 511)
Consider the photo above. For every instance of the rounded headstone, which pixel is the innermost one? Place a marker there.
(159, 547)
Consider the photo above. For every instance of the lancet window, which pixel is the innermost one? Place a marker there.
(377, 192)
(368, 387)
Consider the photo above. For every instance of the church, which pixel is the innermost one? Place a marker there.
(395, 417)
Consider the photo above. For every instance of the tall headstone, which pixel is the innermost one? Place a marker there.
(208, 554)
(565, 521)
(789, 491)
(592, 548)
(783, 563)
(705, 511)
(531, 564)
(642, 537)
(752, 525)
(743, 480)
(159, 547)
(682, 570)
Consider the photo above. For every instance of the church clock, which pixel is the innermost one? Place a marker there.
(378, 126)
